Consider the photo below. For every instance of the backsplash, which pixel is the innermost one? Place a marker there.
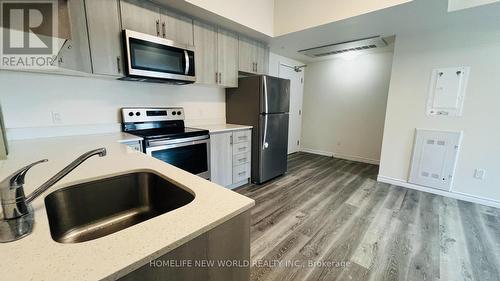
(41, 105)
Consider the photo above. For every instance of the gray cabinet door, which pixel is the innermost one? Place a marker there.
(205, 43)
(247, 55)
(262, 58)
(227, 55)
(177, 27)
(103, 21)
(221, 158)
(140, 16)
(75, 53)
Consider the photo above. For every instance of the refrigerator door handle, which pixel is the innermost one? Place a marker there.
(266, 109)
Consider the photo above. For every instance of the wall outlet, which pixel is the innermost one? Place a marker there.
(56, 117)
(479, 174)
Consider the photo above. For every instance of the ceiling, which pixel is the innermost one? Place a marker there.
(412, 17)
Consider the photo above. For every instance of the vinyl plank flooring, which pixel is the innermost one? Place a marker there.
(329, 219)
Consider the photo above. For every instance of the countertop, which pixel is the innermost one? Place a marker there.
(38, 257)
(219, 128)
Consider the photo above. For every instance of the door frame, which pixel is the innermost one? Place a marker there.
(300, 105)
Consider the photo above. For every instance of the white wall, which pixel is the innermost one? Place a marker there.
(455, 5)
(28, 100)
(414, 58)
(256, 14)
(344, 106)
(295, 15)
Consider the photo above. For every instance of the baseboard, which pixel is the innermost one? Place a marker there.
(356, 158)
(451, 194)
(318, 152)
(341, 156)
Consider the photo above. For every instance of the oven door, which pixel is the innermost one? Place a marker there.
(153, 57)
(190, 154)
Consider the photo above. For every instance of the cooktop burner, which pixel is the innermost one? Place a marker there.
(156, 123)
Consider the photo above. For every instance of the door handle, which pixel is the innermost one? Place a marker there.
(118, 67)
(186, 58)
(266, 108)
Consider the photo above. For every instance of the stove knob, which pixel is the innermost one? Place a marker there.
(174, 113)
(130, 114)
(137, 113)
(179, 113)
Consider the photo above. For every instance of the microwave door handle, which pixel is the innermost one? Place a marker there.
(186, 58)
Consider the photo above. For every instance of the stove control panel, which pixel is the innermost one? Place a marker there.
(150, 114)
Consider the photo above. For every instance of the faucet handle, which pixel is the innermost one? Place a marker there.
(17, 178)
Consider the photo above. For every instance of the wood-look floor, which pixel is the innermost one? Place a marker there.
(334, 211)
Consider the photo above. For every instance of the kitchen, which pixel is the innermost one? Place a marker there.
(252, 131)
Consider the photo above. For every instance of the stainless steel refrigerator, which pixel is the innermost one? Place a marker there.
(263, 102)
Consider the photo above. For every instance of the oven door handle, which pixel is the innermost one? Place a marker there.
(175, 145)
(154, 143)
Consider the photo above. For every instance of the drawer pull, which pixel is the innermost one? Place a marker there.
(242, 159)
(241, 173)
(242, 138)
(242, 148)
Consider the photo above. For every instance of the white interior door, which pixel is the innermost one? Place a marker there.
(296, 95)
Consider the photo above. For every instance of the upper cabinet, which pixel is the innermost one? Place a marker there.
(205, 43)
(147, 17)
(177, 28)
(140, 16)
(216, 55)
(75, 53)
(103, 21)
(227, 58)
(253, 56)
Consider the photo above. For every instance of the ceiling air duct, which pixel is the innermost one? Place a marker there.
(349, 46)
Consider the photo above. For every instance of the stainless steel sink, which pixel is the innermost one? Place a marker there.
(98, 208)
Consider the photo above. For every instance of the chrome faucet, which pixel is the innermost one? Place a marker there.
(16, 215)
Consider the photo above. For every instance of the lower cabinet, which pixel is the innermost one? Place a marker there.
(222, 253)
(230, 158)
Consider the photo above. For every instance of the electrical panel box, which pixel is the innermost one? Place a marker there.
(434, 158)
(447, 91)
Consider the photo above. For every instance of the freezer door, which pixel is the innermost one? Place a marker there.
(275, 95)
(273, 146)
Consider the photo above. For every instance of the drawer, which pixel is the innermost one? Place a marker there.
(242, 136)
(241, 158)
(242, 147)
(241, 172)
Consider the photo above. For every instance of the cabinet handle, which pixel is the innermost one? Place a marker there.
(157, 28)
(118, 65)
(231, 140)
(216, 78)
(256, 67)
(241, 173)
(242, 159)
(242, 138)
(220, 78)
(242, 148)
(164, 29)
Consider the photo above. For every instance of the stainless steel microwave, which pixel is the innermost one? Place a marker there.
(151, 58)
